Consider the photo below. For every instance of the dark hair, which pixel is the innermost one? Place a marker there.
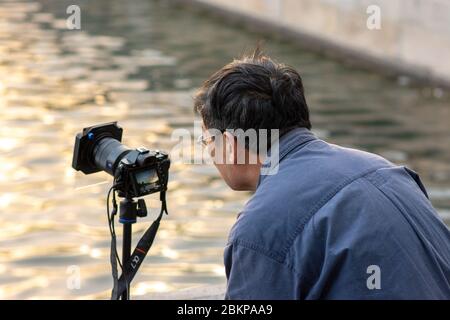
(253, 92)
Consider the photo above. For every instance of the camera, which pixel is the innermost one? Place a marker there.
(137, 172)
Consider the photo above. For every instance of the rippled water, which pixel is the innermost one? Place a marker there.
(138, 62)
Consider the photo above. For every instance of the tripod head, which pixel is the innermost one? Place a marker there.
(130, 209)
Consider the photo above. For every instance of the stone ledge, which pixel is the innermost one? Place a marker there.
(393, 50)
(209, 292)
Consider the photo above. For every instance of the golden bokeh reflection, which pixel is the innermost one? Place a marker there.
(53, 223)
(132, 64)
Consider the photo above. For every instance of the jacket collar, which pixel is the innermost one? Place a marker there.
(287, 143)
(293, 139)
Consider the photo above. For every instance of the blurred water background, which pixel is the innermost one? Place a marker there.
(139, 62)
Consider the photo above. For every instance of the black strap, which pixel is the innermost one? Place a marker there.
(113, 260)
(131, 266)
(113, 253)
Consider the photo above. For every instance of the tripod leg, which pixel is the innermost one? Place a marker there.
(126, 252)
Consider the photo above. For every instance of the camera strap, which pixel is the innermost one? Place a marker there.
(131, 266)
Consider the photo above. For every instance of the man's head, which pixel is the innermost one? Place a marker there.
(255, 93)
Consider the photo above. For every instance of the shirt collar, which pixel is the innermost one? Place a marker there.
(285, 144)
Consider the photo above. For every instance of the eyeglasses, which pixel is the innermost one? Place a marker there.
(205, 141)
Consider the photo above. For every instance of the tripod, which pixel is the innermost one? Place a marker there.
(130, 209)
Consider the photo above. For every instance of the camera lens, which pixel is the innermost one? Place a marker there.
(107, 154)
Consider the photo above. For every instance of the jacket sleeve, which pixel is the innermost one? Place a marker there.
(253, 275)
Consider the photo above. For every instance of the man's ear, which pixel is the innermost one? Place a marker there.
(230, 147)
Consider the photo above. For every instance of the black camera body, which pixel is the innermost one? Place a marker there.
(142, 172)
(136, 173)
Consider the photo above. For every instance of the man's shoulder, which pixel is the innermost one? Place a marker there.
(284, 203)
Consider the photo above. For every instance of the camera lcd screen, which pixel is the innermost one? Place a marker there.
(146, 177)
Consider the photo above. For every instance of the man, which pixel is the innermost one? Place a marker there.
(332, 222)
